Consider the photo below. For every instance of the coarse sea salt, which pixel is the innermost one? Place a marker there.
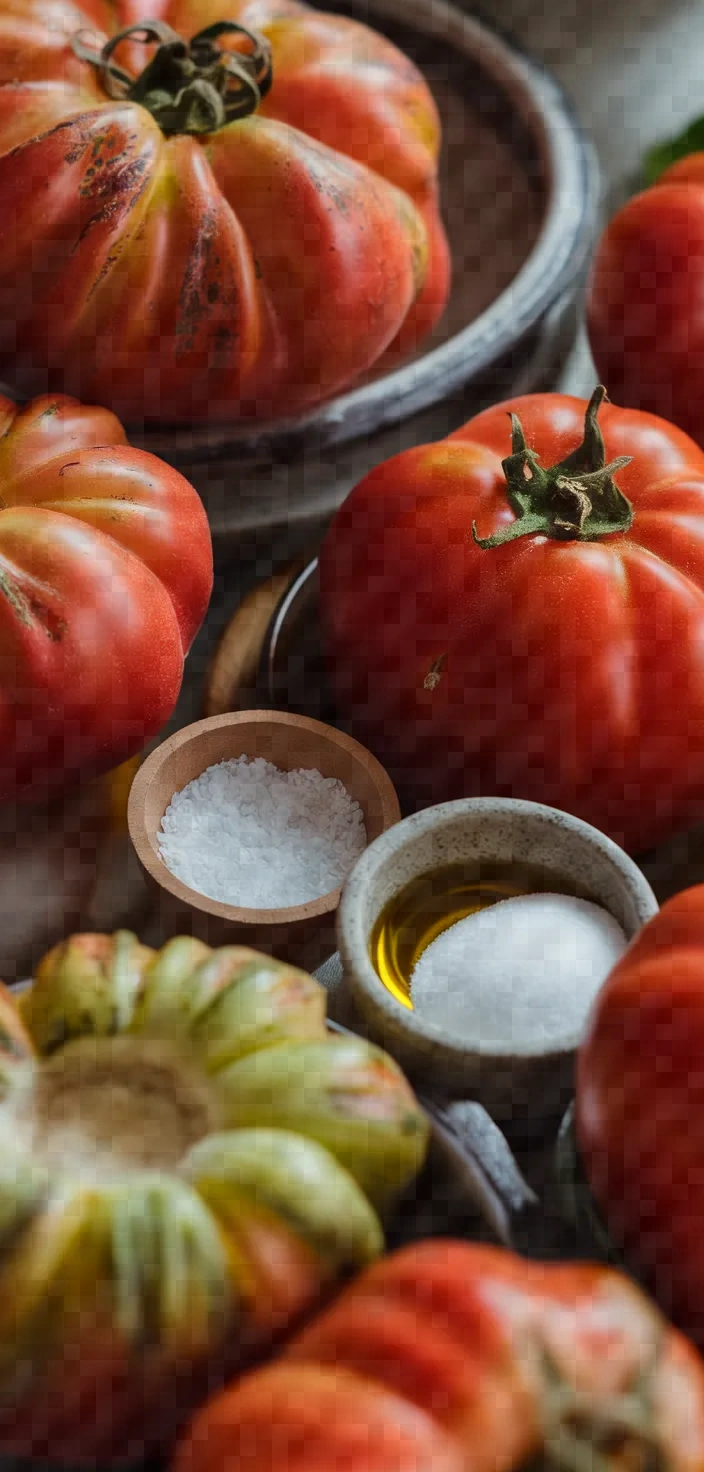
(522, 972)
(246, 833)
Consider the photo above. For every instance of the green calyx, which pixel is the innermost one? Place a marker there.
(577, 500)
(187, 86)
(589, 1432)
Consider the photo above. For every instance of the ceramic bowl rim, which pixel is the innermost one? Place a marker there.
(238, 914)
(353, 939)
(552, 267)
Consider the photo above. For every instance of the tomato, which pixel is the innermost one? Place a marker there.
(184, 242)
(105, 576)
(646, 299)
(565, 665)
(640, 1106)
(450, 1356)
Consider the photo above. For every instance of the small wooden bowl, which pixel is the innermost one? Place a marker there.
(301, 934)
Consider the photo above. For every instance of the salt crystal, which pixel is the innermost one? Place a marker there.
(523, 972)
(246, 833)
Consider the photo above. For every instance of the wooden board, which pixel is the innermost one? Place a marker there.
(232, 675)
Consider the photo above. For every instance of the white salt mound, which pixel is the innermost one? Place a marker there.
(524, 971)
(246, 833)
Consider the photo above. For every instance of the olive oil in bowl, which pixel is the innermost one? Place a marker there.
(434, 901)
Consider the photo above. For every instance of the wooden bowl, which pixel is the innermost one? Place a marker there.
(300, 933)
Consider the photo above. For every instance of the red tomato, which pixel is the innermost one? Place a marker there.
(105, 576)
(646, 299)
(640, 1106)
(566, 666)
(175, 263)
(454, 1357)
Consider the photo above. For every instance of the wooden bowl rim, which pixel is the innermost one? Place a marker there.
(239, 914)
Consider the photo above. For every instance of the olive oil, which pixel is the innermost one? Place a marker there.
(434, 901)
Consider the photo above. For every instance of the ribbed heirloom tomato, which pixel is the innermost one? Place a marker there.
(105, 575)
(458, 1357)
(640, 1107)
(219, 208)
(505, 613)
(646, 324)
(162, 1227)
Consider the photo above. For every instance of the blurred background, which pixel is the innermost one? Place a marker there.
(635, 72)
(634, 68)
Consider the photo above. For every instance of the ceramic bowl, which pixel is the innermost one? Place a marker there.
(516, 1085)
(519, 186)
(300, 933)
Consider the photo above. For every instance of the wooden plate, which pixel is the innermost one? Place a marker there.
(233, 673)
(268, 655)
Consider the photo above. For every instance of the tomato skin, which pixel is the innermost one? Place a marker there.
(454, 1335)
(645, 300)
(572, 673)
(248, 273)
(640, 1105)
(105, 577)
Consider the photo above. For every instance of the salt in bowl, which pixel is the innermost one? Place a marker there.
(516, 1084)
(302, 934)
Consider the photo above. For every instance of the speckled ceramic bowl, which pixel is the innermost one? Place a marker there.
(515, 1085)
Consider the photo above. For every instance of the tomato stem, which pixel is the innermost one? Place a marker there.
(187, 86)
(576, 500)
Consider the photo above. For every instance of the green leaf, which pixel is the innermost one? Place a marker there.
(662, 155)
